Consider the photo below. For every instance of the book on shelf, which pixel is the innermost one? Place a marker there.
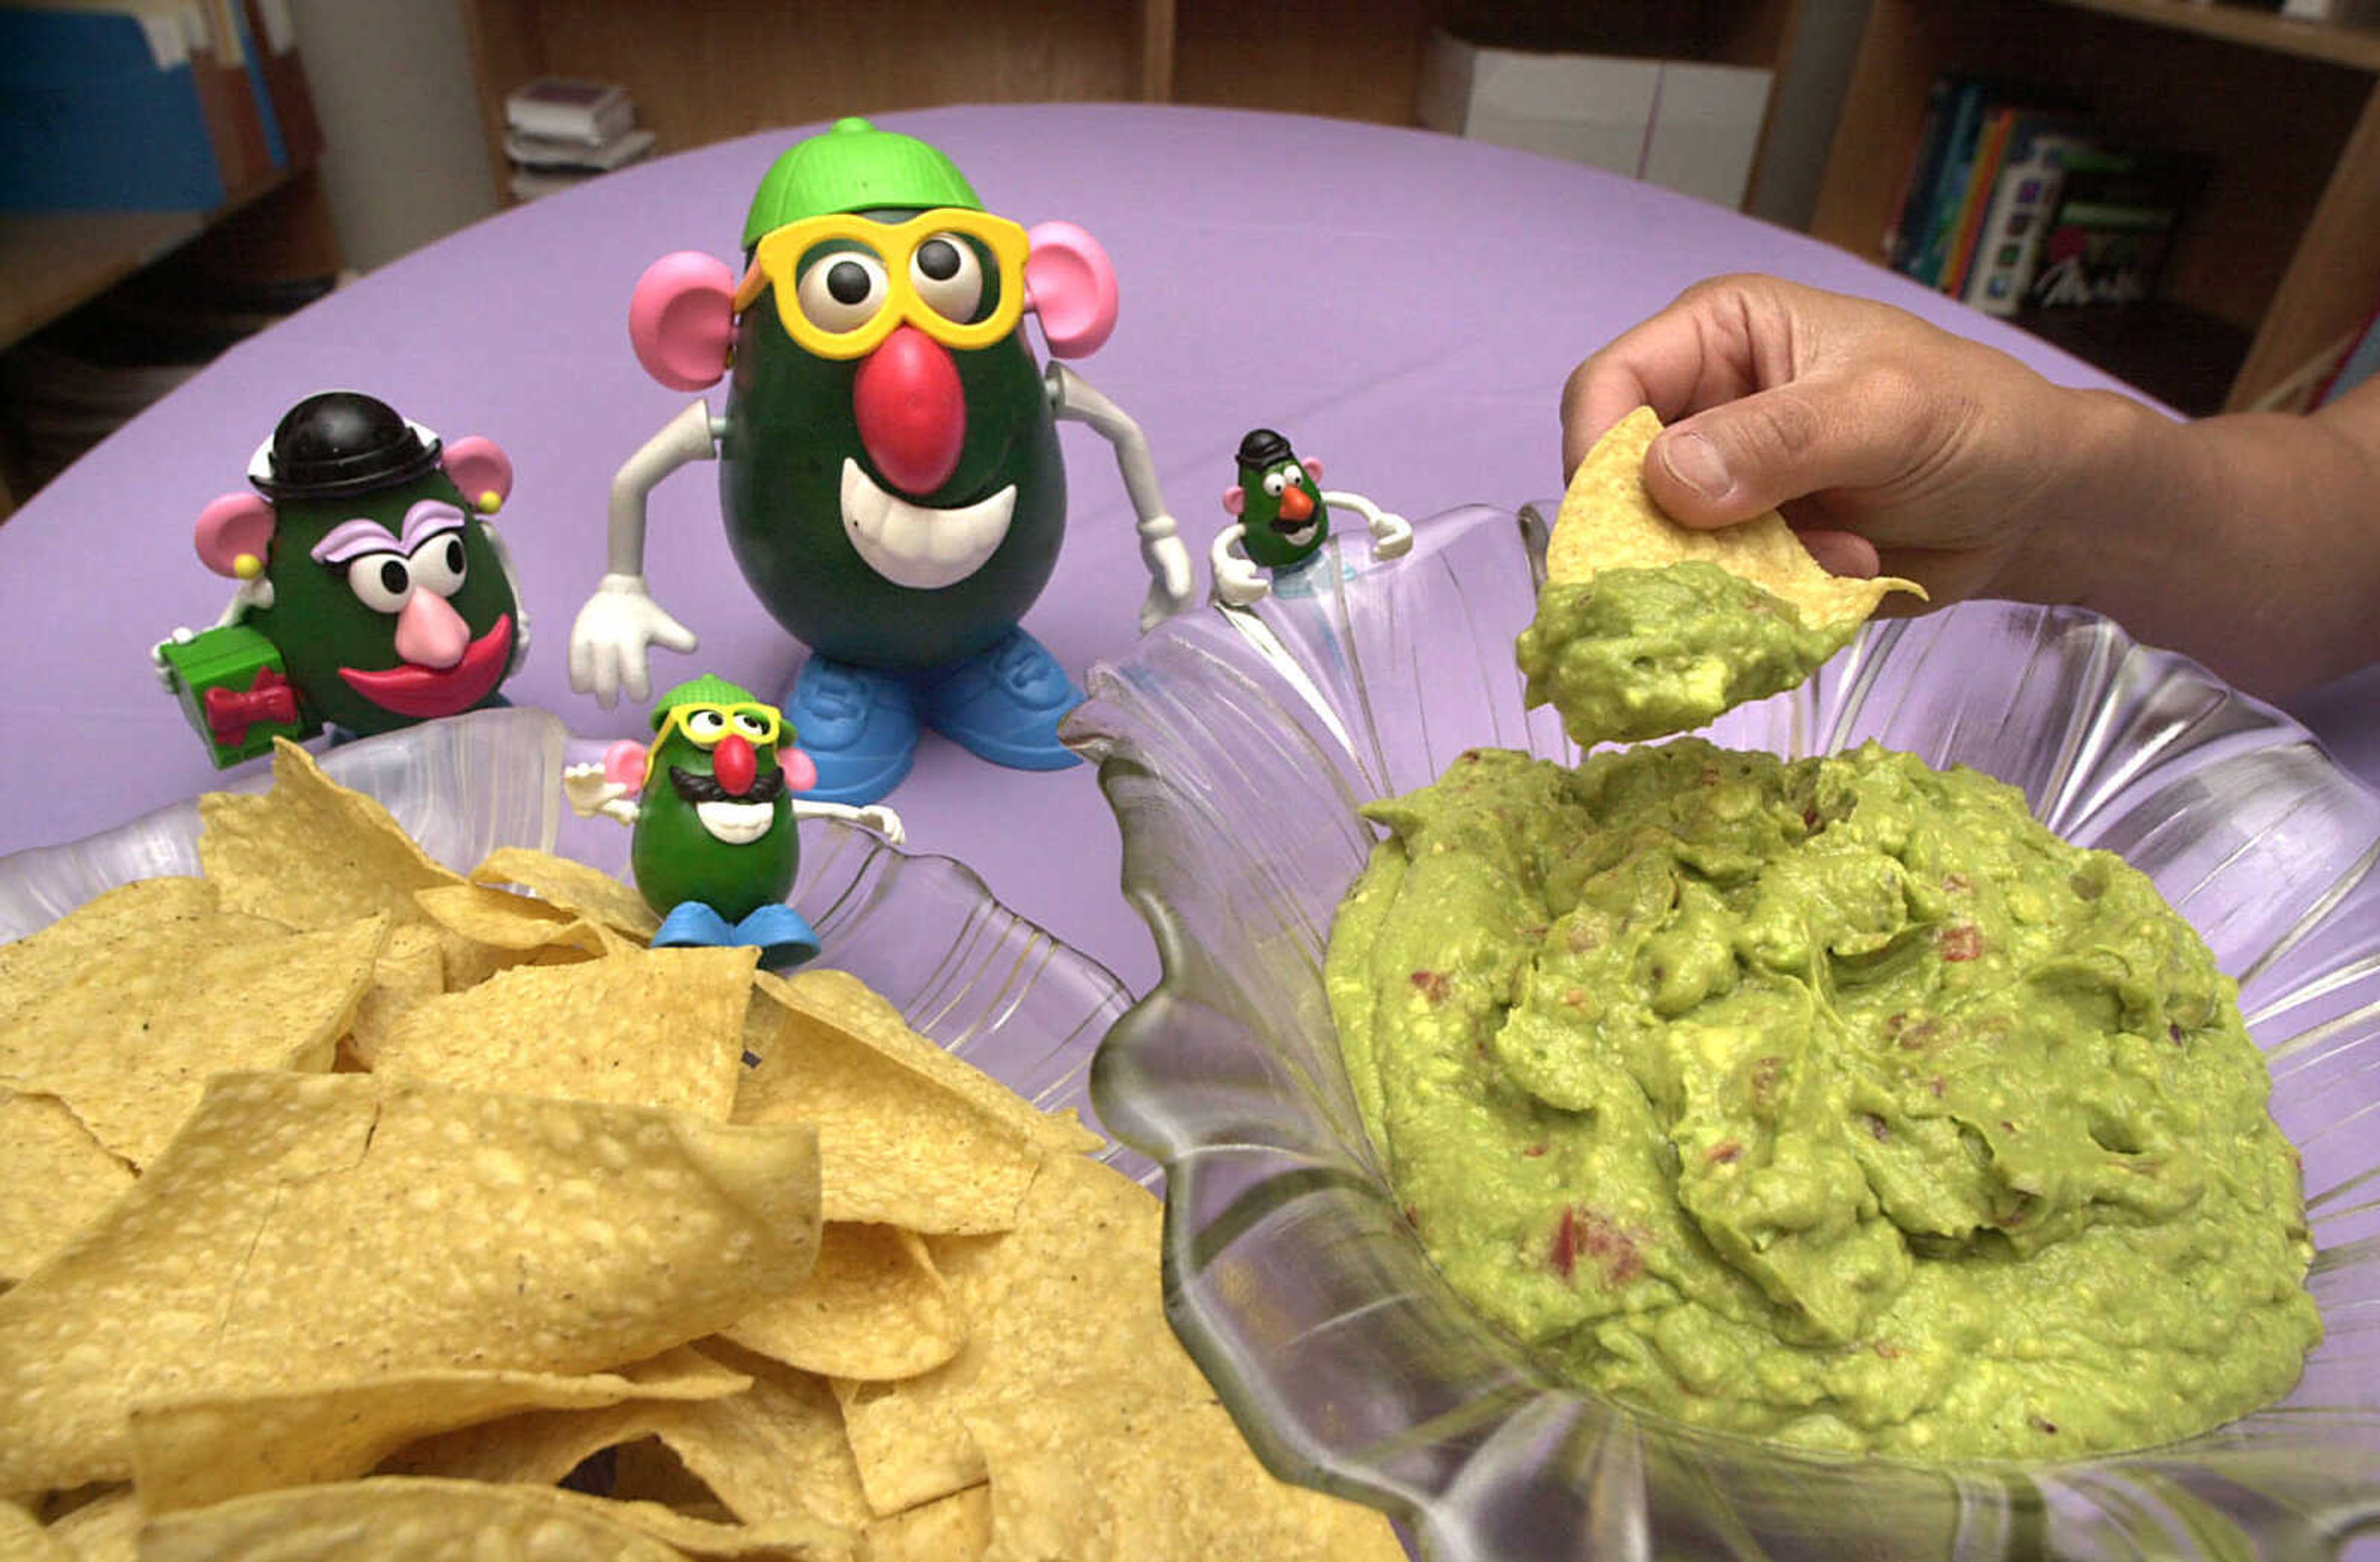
(2113, 227)
(1933, 200)
(2008, 246)
(569, 108)
(562, 154)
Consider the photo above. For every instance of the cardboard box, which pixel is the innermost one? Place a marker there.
(1680, 123)
(131, 105)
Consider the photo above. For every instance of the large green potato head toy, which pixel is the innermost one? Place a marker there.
(372, 590)
(711, 802)
(889, 464)
(1283, 517)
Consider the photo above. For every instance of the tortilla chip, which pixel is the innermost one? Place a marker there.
(573, 888)
(45, 1146)
(1072, 1294)
(22, 1539)
(311, 852)
(504, 920)
(1608, 520)
(841, 1002)
(873, 1307)
(106, 1529)
(403, 1520)
(411, 968)
(951, 1529)
(128, 1040)
(895, 1146)
(1104, 1476)
(207, 1448)
(655, 1028)
(328, 1229)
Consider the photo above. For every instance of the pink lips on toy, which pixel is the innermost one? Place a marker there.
(412, 689)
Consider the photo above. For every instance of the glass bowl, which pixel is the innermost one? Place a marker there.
(1236, 749)
(923, 932)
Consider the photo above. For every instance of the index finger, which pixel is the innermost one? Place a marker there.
(1677, 362)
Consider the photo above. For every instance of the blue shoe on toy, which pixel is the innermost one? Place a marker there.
(1004, 704)
(857, 725)
(782, 936)
(693, 925)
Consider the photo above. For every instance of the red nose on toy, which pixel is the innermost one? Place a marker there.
(735, 764)
(911, 409)
(1296, 505)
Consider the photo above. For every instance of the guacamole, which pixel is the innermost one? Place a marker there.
(1836, 1102)
(1641, 652)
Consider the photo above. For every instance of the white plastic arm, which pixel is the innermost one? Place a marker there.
(607, 643)
(1238, 582)
(1391, 535)
(1161, 550)
(875, 817)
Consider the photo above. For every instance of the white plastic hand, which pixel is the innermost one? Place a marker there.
(1238, 582)
(875, 816)
(166, 678)
(588, 791)
(1391, 535)
(1169, 582)
(607, 643)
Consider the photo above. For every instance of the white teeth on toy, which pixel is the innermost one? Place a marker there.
(737, 824)
(912, 545)
(1303, 536)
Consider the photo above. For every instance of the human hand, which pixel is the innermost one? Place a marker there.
(1892, 445)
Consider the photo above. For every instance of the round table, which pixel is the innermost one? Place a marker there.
(1404, 305)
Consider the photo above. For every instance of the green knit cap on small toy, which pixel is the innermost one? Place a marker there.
(854, 167)
(706, 690)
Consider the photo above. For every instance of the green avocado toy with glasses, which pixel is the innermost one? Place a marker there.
(711, 804)
(890, 472)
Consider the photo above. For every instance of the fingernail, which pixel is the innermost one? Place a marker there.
(1695, 462)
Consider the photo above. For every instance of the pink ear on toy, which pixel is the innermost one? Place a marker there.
(623, 764)
(1235, 499)
(681, 319)
(801, 770)
(236, 527)
(480, 469)
(1313, 468)
(1070, 283)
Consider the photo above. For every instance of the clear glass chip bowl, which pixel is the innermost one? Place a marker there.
(1236, 749)
(923, 932)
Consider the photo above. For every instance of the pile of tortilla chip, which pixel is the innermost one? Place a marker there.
(357, 1208)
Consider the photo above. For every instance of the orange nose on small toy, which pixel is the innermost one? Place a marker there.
(1294, 505)
(911, 410)
(735, 764)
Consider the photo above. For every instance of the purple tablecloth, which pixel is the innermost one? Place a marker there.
(1404, 305)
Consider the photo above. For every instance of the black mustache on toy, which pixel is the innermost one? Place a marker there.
(697, 787)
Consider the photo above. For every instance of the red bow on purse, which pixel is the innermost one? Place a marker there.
(230, 713)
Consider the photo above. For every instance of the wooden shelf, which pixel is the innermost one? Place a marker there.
(2284, 246)
(1355, 59)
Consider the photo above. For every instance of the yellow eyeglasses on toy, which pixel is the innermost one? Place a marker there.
(703, 725)
(844, 283)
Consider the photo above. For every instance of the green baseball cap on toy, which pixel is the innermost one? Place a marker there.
(708, 689)
(854, 167)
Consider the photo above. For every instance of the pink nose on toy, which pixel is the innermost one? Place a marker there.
(912, 411)
(429, 633)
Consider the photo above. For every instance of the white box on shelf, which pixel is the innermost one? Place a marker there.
(1682, 125)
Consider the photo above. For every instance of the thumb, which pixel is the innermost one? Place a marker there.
(1759, 451)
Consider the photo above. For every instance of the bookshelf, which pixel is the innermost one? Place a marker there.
(2278, 263)
(704, 70)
